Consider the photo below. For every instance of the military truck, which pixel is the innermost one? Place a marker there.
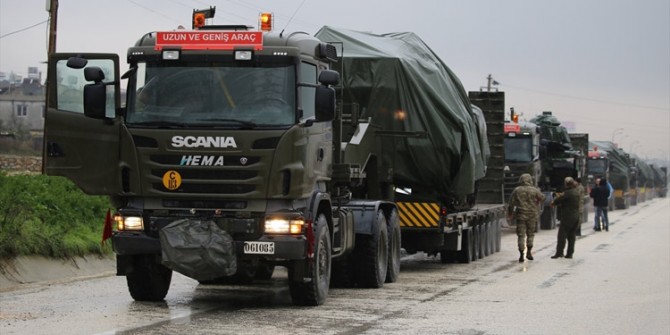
(660, 180)
(237, 150)
(228, 159)
(580, 143)
(598, 166)
(542, 148)
(621, 172)
(433, 141)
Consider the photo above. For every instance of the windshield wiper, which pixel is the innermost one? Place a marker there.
(242, 122)
(159, 124)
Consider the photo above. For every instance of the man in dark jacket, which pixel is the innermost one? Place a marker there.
(570, 219)
(600, 194)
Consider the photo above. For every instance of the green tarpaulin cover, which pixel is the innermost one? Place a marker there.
(403, 86)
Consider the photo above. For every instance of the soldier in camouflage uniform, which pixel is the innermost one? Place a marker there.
(524, 206)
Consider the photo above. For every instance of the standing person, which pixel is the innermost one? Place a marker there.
(600, 194)
(569, 204)
(524, 206)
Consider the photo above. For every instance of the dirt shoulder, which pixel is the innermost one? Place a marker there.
(28, 271)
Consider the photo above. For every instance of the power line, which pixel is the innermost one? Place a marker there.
(24, 29)
(664, 109)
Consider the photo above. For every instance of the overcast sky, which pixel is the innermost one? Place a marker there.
(598, 65)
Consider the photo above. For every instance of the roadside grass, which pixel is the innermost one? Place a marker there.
(49, 216)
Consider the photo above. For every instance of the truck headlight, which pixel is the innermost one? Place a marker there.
(129, 223)
(283, 225)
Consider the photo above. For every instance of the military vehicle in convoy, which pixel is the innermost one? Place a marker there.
(622, 172)
(598, 166)
(660, 180)
(238, 150)
(542, 148)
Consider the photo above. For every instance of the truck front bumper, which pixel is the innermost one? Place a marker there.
(283, 247)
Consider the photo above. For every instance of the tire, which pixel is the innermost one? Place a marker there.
(393, 268)
(485, 239)
(465, 255)
(149, 280)
(498, 229)
(475, 243)
(372, 255)
(314, 292)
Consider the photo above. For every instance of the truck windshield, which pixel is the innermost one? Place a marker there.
(596, 166)
(214, 95)
(518, 149)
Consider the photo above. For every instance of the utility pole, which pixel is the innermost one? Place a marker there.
(53, 19)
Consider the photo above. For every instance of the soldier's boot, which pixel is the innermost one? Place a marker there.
(520, 256)
(529, 255)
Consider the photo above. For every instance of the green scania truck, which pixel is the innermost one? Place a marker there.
(227, 151)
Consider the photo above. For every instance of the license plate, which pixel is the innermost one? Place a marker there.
(264, 248)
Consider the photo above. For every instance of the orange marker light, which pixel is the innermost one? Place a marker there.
(198, 20)
(265, 21)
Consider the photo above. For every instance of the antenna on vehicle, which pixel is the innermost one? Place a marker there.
(292, 16)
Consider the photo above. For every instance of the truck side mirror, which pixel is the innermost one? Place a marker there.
(325, 96)
(95, 95)
(324, 104)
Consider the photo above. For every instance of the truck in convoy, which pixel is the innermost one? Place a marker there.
(228, 159)
(238, 150)
(542, 148)
(660, 180)
(598, 166)
(622, 173)
(580, 143)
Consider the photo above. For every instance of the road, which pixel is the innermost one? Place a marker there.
(617, 283)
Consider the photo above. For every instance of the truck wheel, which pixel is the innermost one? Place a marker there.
(372, 255)
(149, 280)
(465, 255)
(393, 268)
(314, 291)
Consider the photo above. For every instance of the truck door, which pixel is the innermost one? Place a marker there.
(81, 147)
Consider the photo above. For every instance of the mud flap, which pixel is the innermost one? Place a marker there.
(198, 249)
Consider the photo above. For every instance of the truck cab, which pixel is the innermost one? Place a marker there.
(217, 157)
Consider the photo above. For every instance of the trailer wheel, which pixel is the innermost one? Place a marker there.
(486, 239)
(149, 280)
(465, 255)
(475, 243)
(372, 255)
(313, 292)
(490, 227)
(393, 269)
(498, 229)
